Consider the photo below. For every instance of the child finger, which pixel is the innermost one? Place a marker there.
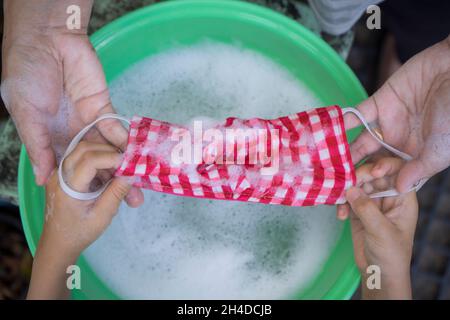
(384, 183)
(342, 211)
(135, 197)
(368, 188)
(367, 211)
(386, 167)
(83, 147)
(363, 174)
(89, 164)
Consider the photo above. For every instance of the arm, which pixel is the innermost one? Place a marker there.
(72, 225)
(49, 275)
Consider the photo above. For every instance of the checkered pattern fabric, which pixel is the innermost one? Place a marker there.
(315, 165)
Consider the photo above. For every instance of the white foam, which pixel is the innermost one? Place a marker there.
(177, 247)
(59, 126)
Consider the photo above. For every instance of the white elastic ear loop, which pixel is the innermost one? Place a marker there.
(404, 156)
(68, 190)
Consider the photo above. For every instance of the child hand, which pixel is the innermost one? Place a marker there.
(73, 224)
(383, 230)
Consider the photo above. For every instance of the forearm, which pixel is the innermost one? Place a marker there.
(49, 277)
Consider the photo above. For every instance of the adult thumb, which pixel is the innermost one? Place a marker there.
(410, 174)
(111, 198)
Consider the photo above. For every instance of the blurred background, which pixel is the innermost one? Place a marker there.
(407, 27)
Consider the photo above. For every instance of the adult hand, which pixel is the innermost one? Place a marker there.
(413, 112)
(44, 62)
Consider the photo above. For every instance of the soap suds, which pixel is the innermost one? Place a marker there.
(185, 248)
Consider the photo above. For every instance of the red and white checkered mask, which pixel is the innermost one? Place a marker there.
(297, 160)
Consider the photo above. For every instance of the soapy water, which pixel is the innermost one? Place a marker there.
(180, 247)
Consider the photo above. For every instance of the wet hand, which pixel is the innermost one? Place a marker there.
(44, 62)
(72, 225)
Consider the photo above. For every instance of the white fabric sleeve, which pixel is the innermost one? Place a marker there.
(338, 16)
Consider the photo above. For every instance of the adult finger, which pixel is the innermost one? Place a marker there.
(112, 129)
(364, 145)
(35, 135)
(86, 82)
(114, 132)
(368, 109)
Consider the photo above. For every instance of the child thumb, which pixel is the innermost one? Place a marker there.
(366, 210)
(111, 198)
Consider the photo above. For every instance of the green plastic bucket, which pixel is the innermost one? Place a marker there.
(160, 27)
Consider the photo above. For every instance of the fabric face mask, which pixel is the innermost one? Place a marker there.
(297, 160)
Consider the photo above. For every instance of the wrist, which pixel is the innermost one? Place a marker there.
(25, 19)
(393, 286)
(56, 245)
